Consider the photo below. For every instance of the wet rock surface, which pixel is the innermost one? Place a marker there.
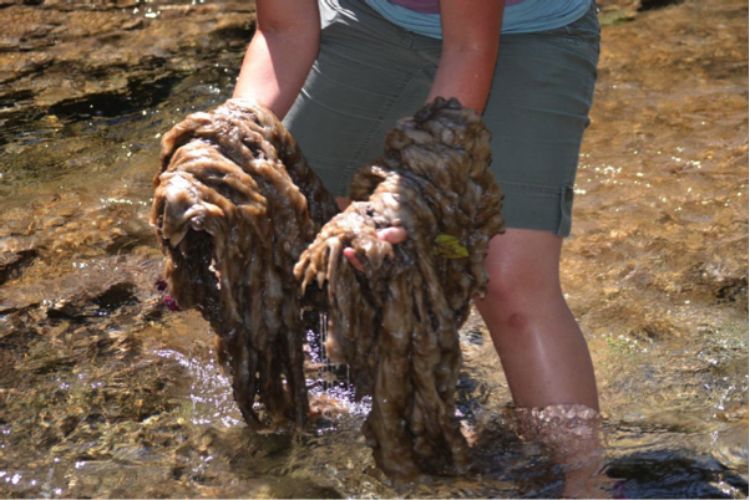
(62, 60)
(620, 11)
(111, 387)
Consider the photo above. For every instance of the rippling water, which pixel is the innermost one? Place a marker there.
(112, 396)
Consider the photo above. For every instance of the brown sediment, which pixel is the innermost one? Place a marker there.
(235, 204)
(396, 323)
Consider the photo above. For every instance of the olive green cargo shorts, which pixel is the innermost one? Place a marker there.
(370, 72)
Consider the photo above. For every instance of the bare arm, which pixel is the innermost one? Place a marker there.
(471, 38)
(280, 54)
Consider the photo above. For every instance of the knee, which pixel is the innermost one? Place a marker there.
(523, 277)
(516, 285)
(515, 295)
(505, 301)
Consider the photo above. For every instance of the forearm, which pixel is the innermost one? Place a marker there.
(278, 60)
(464, 74)
(471, 41)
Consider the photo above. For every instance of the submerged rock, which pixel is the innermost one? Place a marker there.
(97, 287)
(15, 254)
(70, 59)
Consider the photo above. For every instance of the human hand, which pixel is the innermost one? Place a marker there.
(393, 235)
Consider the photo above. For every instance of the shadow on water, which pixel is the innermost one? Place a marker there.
(106, 392)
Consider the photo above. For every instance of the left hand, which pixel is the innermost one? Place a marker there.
(393, 235)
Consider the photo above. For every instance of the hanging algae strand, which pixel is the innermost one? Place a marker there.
(234, 206)
(396, 323)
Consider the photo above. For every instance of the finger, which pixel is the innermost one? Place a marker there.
(351, 256)
(393, 235)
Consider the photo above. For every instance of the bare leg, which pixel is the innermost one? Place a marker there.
(541, 347)
(544, 354)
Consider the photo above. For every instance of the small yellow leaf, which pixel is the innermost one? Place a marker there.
(450, 247)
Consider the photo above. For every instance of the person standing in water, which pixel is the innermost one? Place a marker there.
(342, 72)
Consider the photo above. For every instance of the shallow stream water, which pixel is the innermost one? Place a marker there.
(104, 391)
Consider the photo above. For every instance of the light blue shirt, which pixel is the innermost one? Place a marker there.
(526, 16)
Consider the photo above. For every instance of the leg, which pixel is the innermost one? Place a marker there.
(544, 354)
(538, 110)
(541, 347)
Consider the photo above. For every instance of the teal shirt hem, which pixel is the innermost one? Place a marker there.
(528, 16)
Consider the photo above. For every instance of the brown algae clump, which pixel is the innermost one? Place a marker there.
(396, 324)
(235, 204)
